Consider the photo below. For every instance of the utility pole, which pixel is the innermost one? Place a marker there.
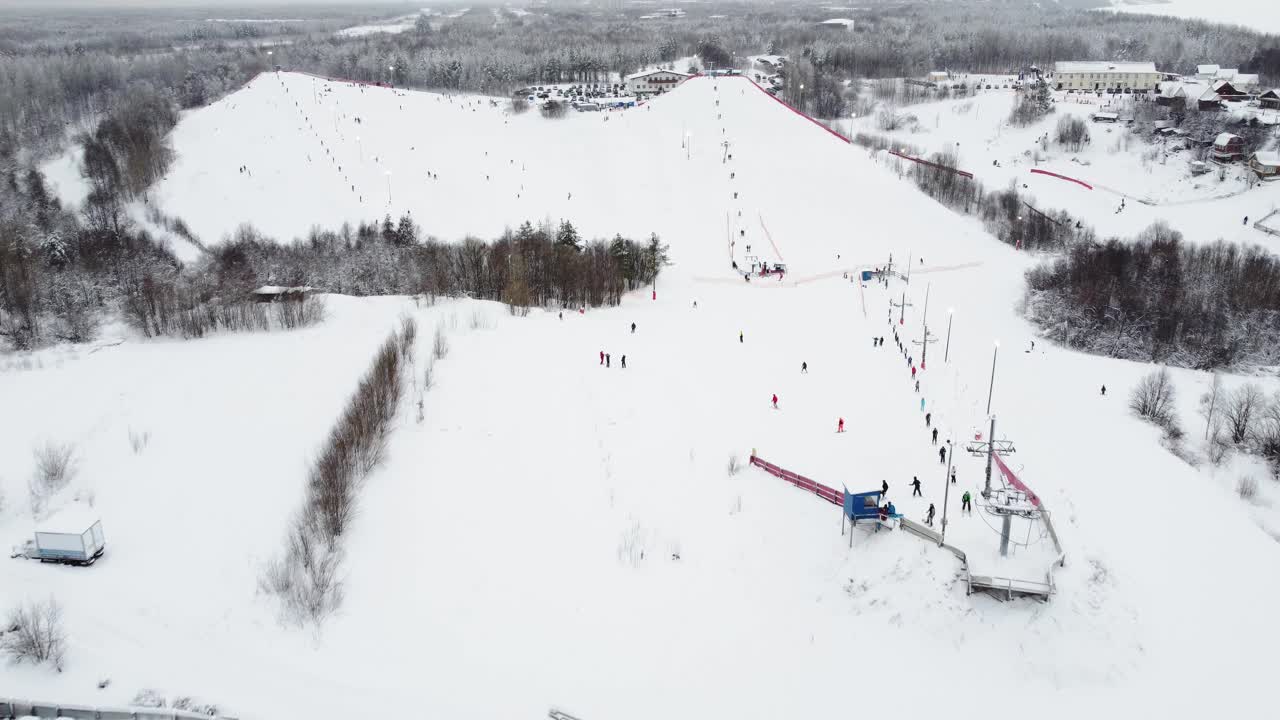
(946, 495)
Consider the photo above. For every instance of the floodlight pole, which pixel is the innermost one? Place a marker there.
(924, 339)
(991, 444)
(946, 355)
(946, 495)
(991, 388)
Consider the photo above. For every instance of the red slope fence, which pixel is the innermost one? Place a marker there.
(831, 495)
(1082, 183)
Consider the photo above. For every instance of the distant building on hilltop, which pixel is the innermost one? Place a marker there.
(653, 82)
(1246, 82)
(1111, 77)
(844, 24)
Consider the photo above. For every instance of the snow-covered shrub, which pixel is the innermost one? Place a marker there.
(1032, 104)
(33, 633)
(1153, 398)
(305, 577)
(440, 345)
(138, 440)
(519, 106)
(1240, 409)
(631, 546)
(55, 466)
(1247, 487)
(1072, 132)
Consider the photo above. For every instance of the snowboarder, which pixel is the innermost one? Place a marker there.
(935, 436)
(942, 455)
(1104, 390)
(915, 487)
(840, 426)
(775, 401)
(633, 328)
(928, 519)
(927, 418)
(965, 506)
(804, 368)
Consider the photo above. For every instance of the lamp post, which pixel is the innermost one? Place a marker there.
(946, 495)
(924, 339)
(388, 187)
(991, 388)
(946, 355)
(688, 144)
(800, 100)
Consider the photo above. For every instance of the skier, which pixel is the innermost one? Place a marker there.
(927, 418)
(739, 336)
(918, 390)
(601, 357)
(915, 486)
(804, 368)
(884, 487)
(965, 506)
(935, 436)
(775, 401)
(913, 375)
(953, 476)
(942, 455)
(1246, 220)
(1104, 390)
(633, 328)
(624, 362)
(608, 360)
(840, 426)
(928, 519)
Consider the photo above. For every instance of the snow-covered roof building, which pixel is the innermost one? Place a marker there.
(1100, 76)
(1228, 147)
(1266, 164)
(1242, 81)
(1207, 72)
(1270, 100)
(268, 293)
(651, 82)
(838, 23)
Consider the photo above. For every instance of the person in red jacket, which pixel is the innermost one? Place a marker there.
(840, 425)
(775, 401)
(913, 372)
(601, 357)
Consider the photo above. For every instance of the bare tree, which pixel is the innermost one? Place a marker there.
(55, 467)
(1240, 408)
(1152, 398)
(440, 345)
(35, 634)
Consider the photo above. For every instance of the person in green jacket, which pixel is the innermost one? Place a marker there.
(964, 500)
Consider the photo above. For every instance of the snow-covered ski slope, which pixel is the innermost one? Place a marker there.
(519, 548)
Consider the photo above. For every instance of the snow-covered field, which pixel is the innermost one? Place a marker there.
(1155, 181)
(559, 533)
(1259, 15)
(392, 26)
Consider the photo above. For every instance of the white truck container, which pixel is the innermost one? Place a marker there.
(71, 535)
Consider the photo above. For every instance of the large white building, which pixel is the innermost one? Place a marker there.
(652, 82)
(1140, 77)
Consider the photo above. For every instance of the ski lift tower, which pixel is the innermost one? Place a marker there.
(1005, 502)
